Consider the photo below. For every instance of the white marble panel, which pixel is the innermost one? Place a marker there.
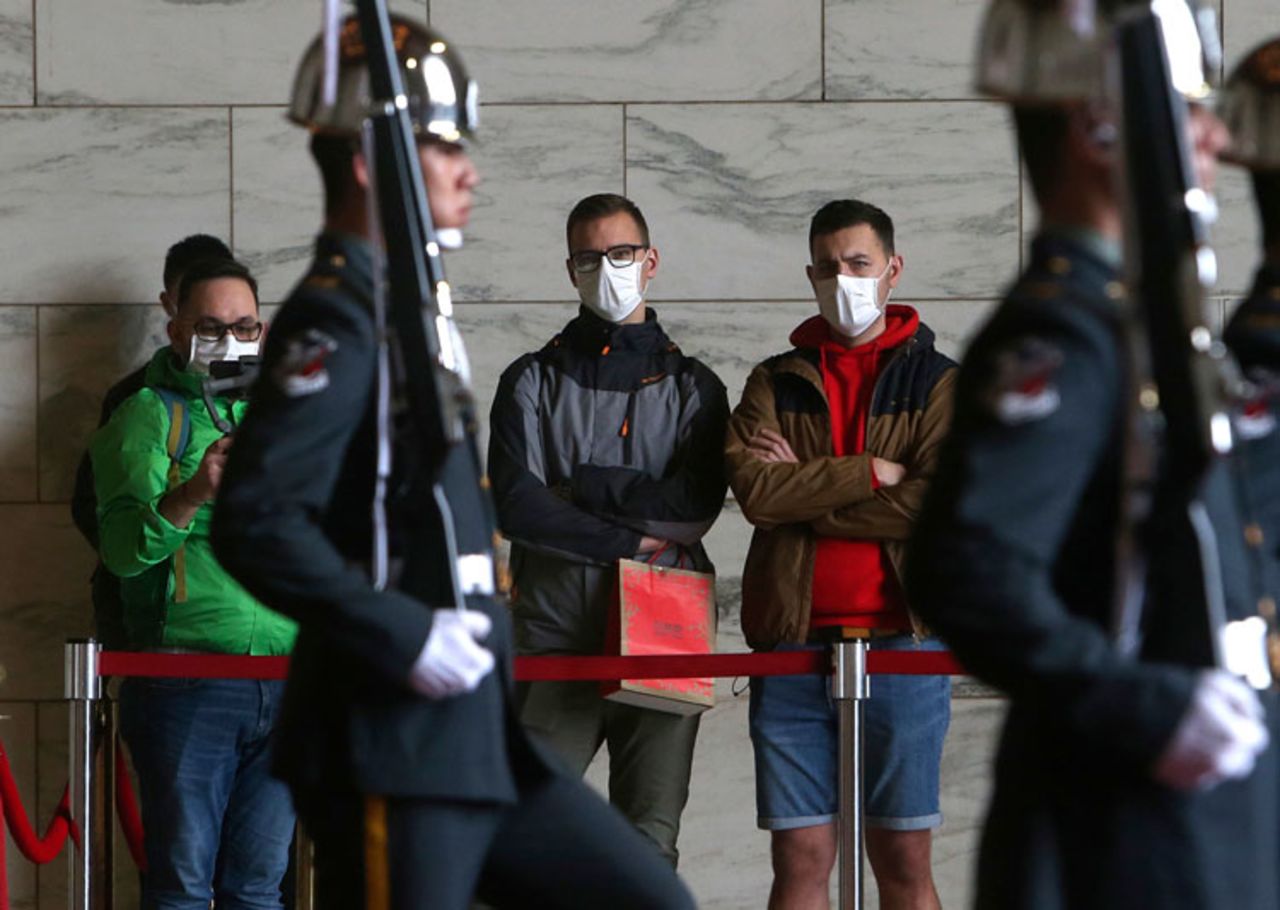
(278, 202)
(45, 600)
(185, 52)
(535, 164)
(18, 404)
(954, 322)
(729, 191)
(901, 48)
(638, 50)
(17, 47)
(1237, 237)
(18, 739)
(530, 178)
(84, 350)
(93, 198)
(52, 733)
(1245, 25)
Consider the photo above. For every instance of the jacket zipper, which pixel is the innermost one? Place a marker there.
(628, 424)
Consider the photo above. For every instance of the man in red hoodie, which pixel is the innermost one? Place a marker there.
(829, 453)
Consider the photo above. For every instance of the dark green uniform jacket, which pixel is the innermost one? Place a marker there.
(1013, 565)
(294, 525)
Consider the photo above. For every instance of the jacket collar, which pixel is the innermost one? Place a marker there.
(587, 333)
(165, 371)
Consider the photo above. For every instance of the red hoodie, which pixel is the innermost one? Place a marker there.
(853, 583)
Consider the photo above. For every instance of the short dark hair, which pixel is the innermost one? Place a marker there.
(1266, 190)
(188, 250)
(333, 156)
(1042, 140)
(845, 213)
(211, 269)
(602, 205)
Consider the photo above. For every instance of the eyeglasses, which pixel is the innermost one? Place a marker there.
(213, 330)
(620, 255)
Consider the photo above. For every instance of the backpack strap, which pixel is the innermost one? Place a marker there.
(176, 445)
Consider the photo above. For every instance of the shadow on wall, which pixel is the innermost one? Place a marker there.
(84, 350)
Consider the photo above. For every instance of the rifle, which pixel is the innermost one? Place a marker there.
(1183, 375)
(422, 366)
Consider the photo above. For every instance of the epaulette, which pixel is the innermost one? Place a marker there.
(322, 281)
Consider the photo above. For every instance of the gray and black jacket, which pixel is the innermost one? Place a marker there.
(605, 435)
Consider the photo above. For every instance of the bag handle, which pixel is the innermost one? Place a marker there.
(681, 555)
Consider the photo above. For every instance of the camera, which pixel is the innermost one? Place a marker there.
(230, 379)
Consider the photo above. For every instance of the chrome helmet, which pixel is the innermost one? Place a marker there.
(1055, 51)
(1250, 107)
(442, 97)
(1042, 51)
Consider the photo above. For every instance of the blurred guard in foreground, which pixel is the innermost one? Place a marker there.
(1108, 753)
(398, 738)
(1251, 108)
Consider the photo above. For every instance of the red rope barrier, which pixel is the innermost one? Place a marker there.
(38, 850)
(568, 667)
(127, 810)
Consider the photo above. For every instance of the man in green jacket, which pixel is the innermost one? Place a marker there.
(200, 747)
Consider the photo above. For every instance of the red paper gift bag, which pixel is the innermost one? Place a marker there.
(660, 610)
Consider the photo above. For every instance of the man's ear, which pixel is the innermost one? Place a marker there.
(808, 271)
(167, 304)
(896, 264)
(573, 276)
(650, 264)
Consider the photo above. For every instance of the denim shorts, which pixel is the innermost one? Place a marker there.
(794, 735)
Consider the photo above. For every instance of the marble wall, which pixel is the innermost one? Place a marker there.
(129, 124)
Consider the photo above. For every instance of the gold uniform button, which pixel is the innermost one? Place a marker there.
(337, 260)
(1267, 609)
(1253, 535)
(1115, 290)
(1059, 265)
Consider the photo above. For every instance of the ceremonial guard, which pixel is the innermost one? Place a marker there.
(406, 760)
(1251, 108)
(1123, 777)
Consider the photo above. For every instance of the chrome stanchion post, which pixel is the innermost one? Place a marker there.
(83, 690)
(851, 687)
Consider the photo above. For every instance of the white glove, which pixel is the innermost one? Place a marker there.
(451, 661)
(1218, 738)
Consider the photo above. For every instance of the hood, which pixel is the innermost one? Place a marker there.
(902, 323)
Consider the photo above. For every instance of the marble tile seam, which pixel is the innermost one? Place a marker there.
(603, 102)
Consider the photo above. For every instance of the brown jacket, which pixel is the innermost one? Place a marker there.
(791, 505)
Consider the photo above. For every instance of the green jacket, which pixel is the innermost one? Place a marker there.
(175, 593)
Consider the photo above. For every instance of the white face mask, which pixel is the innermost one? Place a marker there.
(612, 292)
(202, 352)
(850, 305)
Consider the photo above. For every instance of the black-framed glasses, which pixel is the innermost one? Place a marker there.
(618, 256)
(213, 330)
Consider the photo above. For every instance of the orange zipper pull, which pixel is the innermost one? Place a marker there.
(626, 427)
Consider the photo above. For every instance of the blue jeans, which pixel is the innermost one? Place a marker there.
(217, 824)
(794, 733)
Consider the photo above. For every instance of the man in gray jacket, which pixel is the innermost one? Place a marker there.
(606, 445)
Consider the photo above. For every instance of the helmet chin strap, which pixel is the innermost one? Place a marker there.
(332, 20)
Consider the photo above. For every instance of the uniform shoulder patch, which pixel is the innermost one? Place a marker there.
(301, 371)
(1023, 388)
(1256, 418)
